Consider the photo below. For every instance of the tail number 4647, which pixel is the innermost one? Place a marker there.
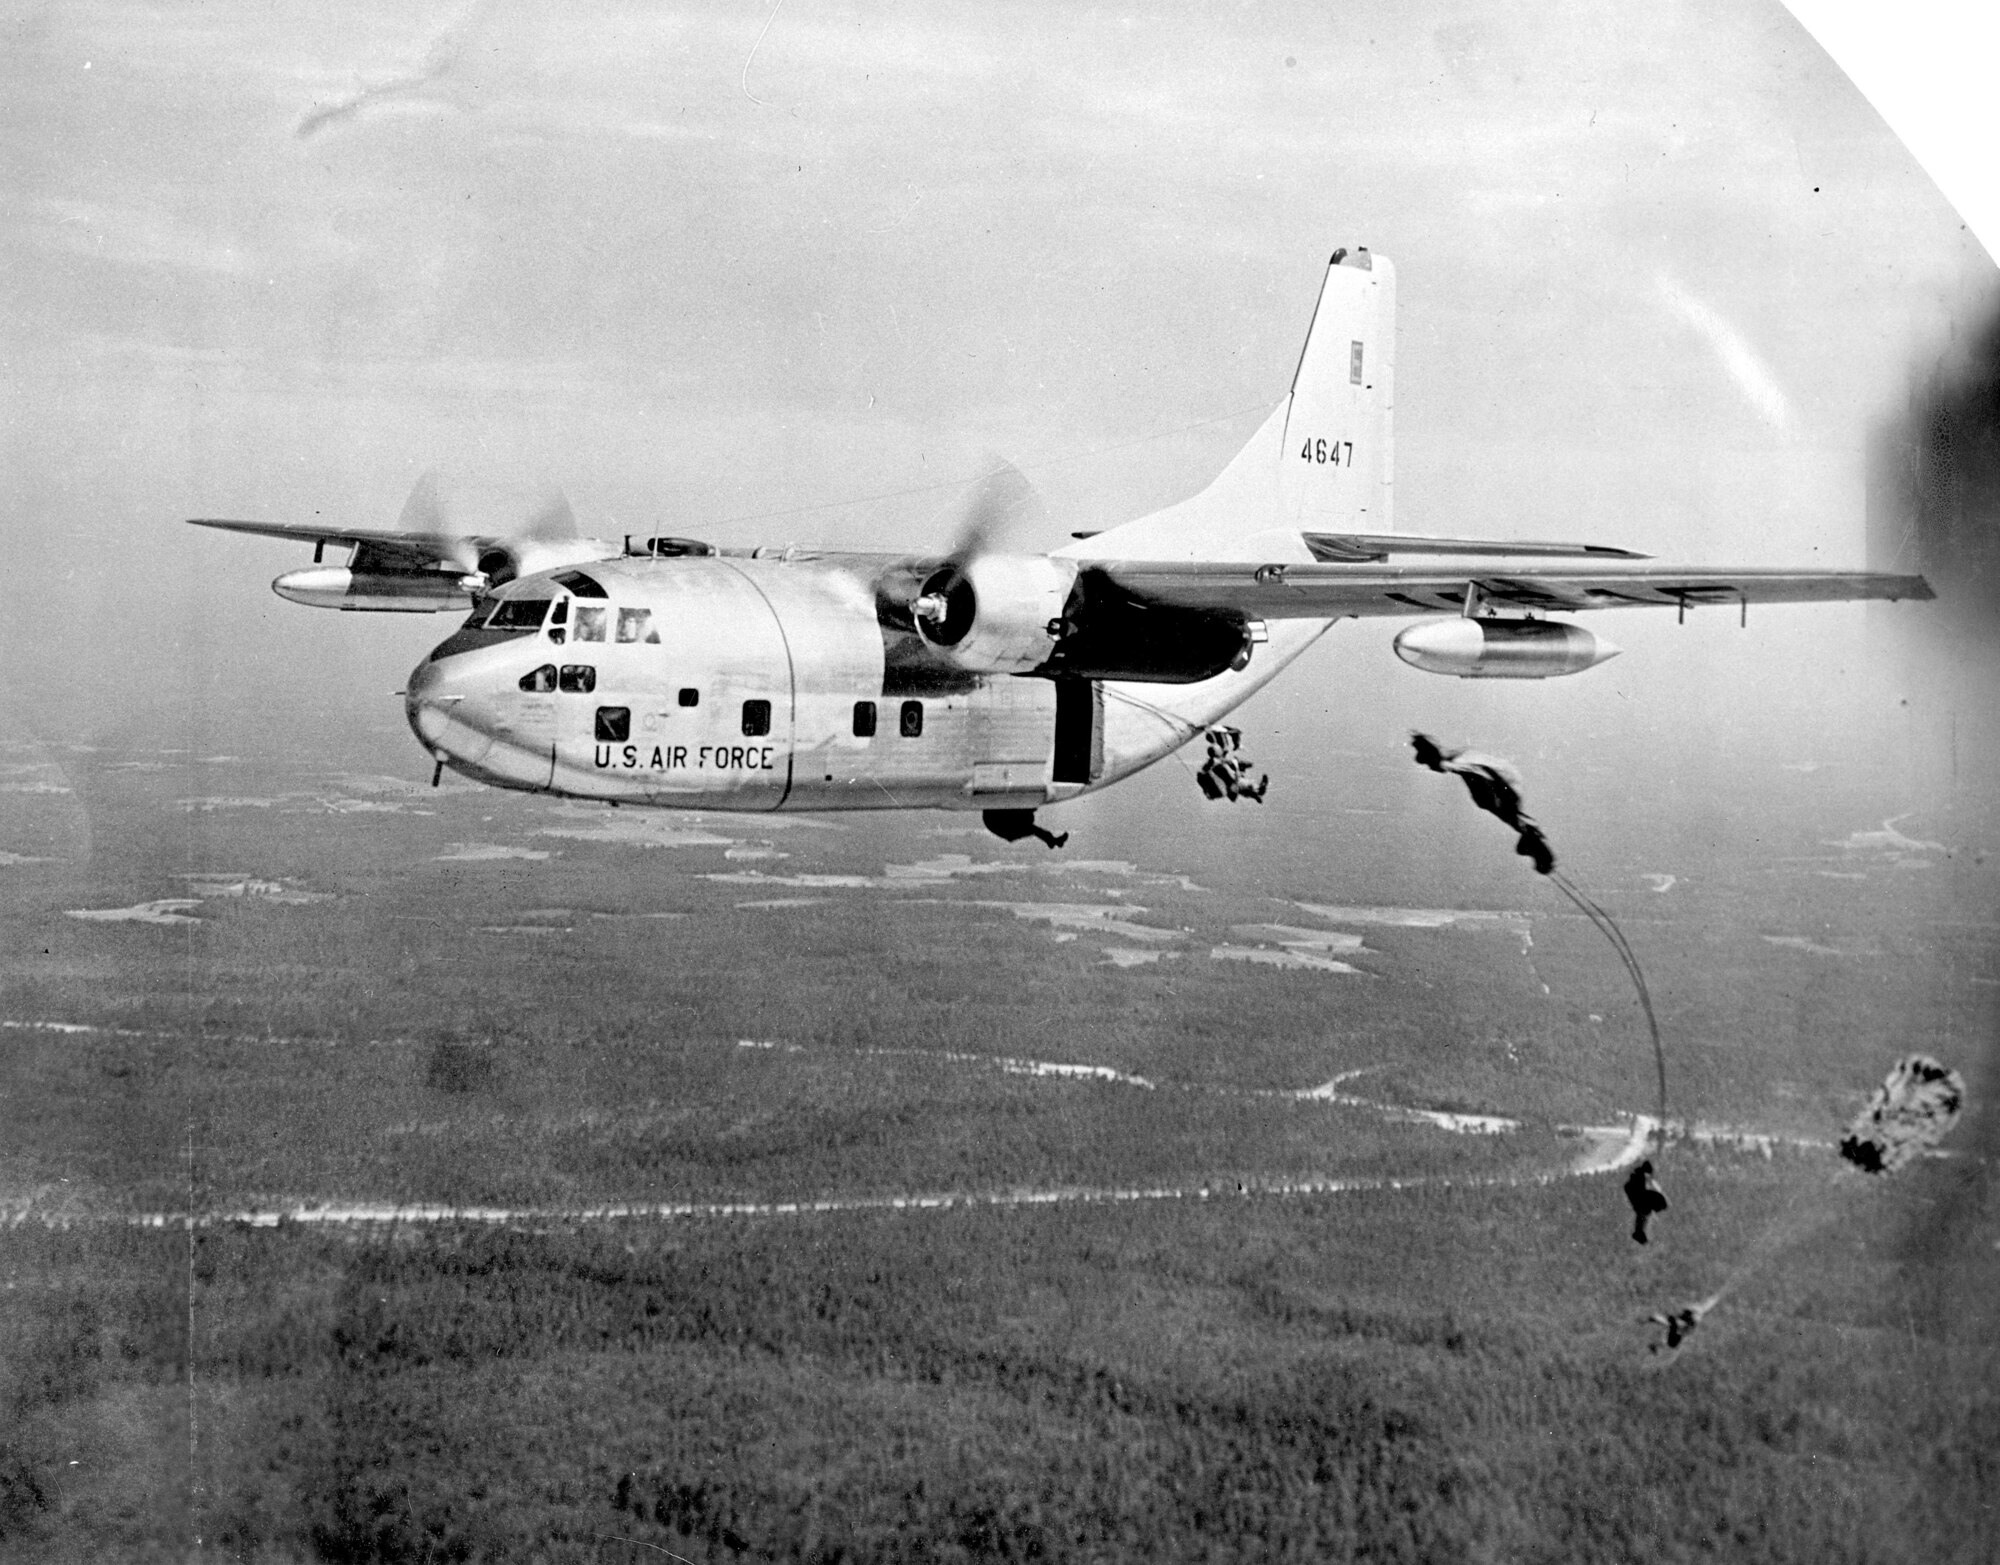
(1328, 452)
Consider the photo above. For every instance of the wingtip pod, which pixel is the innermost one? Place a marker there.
(1497, 648)
(393, 592)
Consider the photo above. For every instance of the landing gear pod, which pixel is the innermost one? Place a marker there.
(1495, 648)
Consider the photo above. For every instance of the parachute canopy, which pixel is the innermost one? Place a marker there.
(1910, 1112)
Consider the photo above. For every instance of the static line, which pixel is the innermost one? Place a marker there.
(1616, 936)
(744, 83)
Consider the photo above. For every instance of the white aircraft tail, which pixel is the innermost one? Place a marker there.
(1324, 461)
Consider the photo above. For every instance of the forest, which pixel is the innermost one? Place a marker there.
(1448, 1358)
(1432, 1373)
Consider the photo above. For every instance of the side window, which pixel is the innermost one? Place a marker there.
(864, 719)
(517, 614)
(589, 623)
(558, 620)
(911, 724)
(635, 625)
(583, 586)
(540, 681)
(614, 724)
(690, 696)
(756, 718)
(579, 679)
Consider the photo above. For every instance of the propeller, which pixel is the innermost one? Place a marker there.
(1000, 502)
(488, 547)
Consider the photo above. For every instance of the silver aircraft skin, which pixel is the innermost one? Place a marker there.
(666, 672)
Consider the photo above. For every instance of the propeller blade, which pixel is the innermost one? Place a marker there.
(423, 512)
(999, 505)
(552, 518)
(1000, 502)
(440, 509)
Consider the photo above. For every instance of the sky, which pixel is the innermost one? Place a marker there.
(733, 270)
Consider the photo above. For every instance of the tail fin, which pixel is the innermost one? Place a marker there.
(1324, 461)
(1343, 396)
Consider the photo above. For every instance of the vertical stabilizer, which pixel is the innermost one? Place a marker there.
(1338, 468)
(1322, 462)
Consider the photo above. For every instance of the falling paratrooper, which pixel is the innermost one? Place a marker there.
(1226, 772)
(1647, 1199)
(1681, 1323)
(1496, 788)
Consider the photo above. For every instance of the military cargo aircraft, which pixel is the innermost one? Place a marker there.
(666, 671)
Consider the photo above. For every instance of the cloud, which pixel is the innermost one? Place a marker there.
(1752, 376)
(441, 54)
(134, 235)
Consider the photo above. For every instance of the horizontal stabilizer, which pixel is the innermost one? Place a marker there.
(1359, 548)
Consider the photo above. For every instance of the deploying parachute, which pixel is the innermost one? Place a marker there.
(1918, 1102)
(1910, 1112)
(1682, 1323)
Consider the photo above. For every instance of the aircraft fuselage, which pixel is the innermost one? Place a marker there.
(775, 683)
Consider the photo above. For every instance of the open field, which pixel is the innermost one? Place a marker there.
(1121, 1326)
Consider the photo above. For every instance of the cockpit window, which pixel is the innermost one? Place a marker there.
(517, 614)
(540, 681)
(636, 625)
(590, 623)
(583, 586)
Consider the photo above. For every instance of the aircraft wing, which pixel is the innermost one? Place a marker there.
(385, 548)
(1331, 591)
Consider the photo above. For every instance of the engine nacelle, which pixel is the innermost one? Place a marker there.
(404, 592)
(502, 560)
(995, 613)
(1495, 648)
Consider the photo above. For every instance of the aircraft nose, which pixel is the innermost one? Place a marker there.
(434, 703)
(427, 703)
